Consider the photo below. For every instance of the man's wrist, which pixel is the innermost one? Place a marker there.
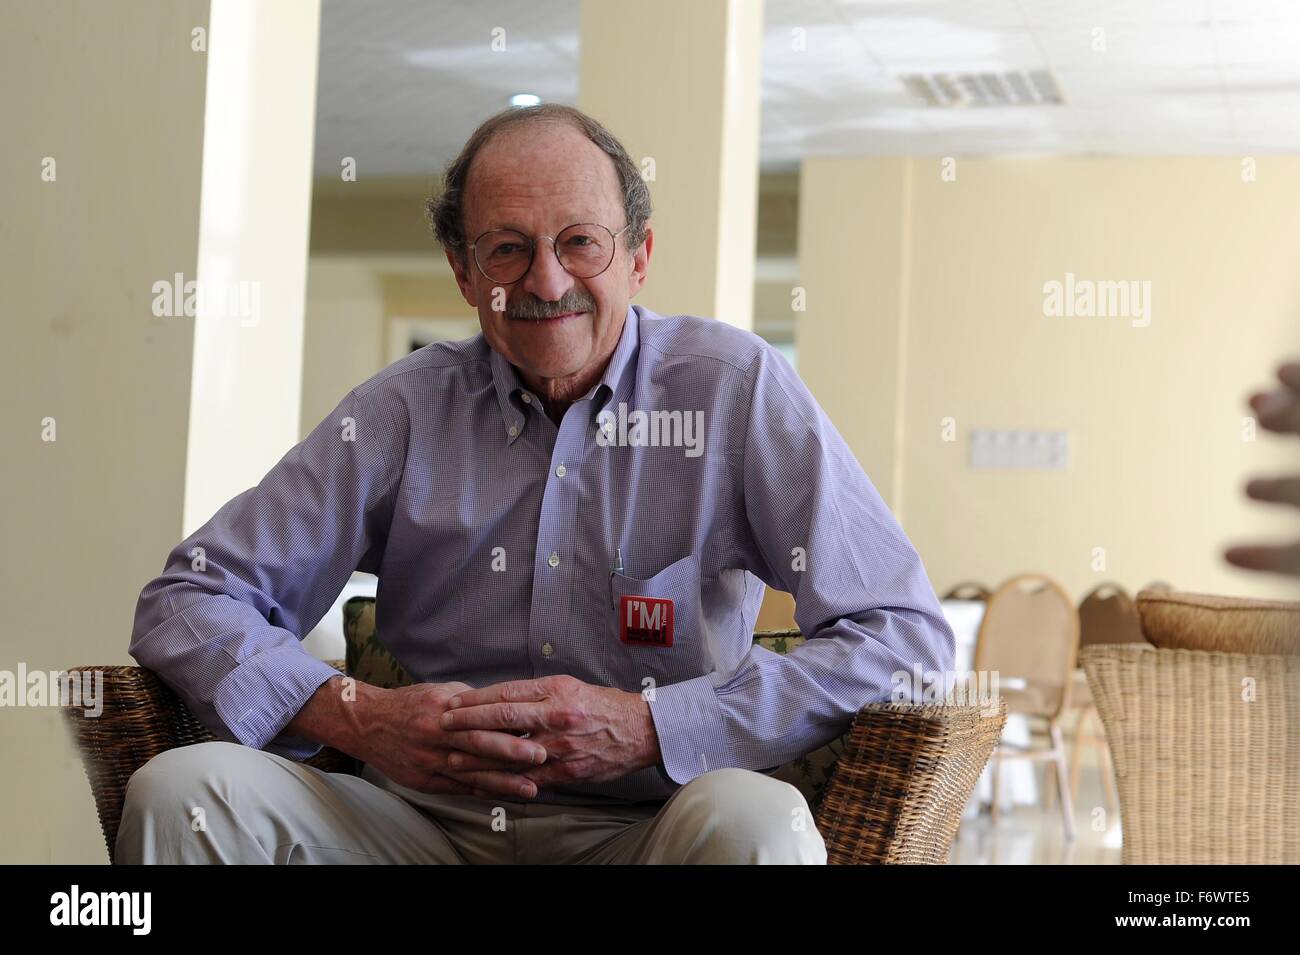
(649, 749)
(335, 715)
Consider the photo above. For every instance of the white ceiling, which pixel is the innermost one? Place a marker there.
(404, 82)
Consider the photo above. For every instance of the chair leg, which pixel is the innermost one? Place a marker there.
(1062, 784)
(1042, 781)
(1080, 736)
(1107, 769)
(995, 806)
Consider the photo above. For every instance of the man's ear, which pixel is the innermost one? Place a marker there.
(641, 262)
(460, 268)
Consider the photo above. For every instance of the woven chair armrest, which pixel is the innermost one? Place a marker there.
(898, 792)
(142, 717)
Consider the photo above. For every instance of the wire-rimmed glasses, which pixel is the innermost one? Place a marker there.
(584, 250)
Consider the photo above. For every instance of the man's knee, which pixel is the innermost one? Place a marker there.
(179, 778)
(746, 817)
(177, 800)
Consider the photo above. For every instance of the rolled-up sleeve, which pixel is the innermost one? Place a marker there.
(223, 624)
(817, 528)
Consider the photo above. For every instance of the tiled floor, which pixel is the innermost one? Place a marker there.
(1032, 835)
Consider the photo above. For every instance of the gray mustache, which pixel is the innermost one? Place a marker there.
(535, 308)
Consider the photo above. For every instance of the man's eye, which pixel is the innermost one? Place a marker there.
(508, 248)
(579, 241)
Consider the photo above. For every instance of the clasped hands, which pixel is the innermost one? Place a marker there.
(510, 738)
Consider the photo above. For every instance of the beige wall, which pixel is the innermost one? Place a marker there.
(350, 298)
(118, 103)
(851, 259)
(952, 273)
(372, 257)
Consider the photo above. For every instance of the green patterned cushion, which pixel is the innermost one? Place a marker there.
(369, 661)
(810, 773)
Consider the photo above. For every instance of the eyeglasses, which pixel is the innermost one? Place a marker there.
(584, 250)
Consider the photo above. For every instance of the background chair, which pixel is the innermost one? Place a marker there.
(1030, 637)
(1202, 729)
(1106, 615)
(968, 590)
(897, 785)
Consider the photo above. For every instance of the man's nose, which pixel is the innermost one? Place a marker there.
(546, 278)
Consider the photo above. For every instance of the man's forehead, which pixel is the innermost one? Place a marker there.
(567, 176)
(500, 206)
(537, 174)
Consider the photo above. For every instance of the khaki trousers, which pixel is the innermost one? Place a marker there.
(222, 802)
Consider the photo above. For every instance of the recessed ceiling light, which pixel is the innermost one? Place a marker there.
(525, 99)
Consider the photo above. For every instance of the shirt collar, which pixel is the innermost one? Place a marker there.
(510, 388)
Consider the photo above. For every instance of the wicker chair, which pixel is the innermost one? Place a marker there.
(896, 794)
(1205, 776)
(1106, 615)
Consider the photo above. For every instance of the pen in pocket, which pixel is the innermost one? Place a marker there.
(618, 569)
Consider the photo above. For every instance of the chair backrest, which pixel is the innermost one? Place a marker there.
(1205, 754)
(967, 590)
(1109, 615)
(1030, 631)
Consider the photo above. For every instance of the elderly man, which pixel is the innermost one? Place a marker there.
(571, 516)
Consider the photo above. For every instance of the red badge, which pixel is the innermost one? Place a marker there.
(645, 621)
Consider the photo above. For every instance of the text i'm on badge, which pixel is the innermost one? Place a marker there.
(645, 621)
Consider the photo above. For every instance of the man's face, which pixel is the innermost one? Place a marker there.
(538, 179)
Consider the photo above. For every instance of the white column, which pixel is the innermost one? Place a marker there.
(678, 82)
(257, 163)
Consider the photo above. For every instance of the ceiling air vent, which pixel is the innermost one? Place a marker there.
(1018, 88)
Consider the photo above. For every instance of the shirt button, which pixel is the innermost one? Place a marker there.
(554, 559)
(561, 471)
(512, 430)
(547, 649)
(527, 398)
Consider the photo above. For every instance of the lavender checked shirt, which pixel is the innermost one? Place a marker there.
(494, 536)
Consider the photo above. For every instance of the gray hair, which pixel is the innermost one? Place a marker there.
(446, 212)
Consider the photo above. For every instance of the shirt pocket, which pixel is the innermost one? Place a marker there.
(646, 653)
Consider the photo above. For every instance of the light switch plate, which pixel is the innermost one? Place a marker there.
(1033, 450)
